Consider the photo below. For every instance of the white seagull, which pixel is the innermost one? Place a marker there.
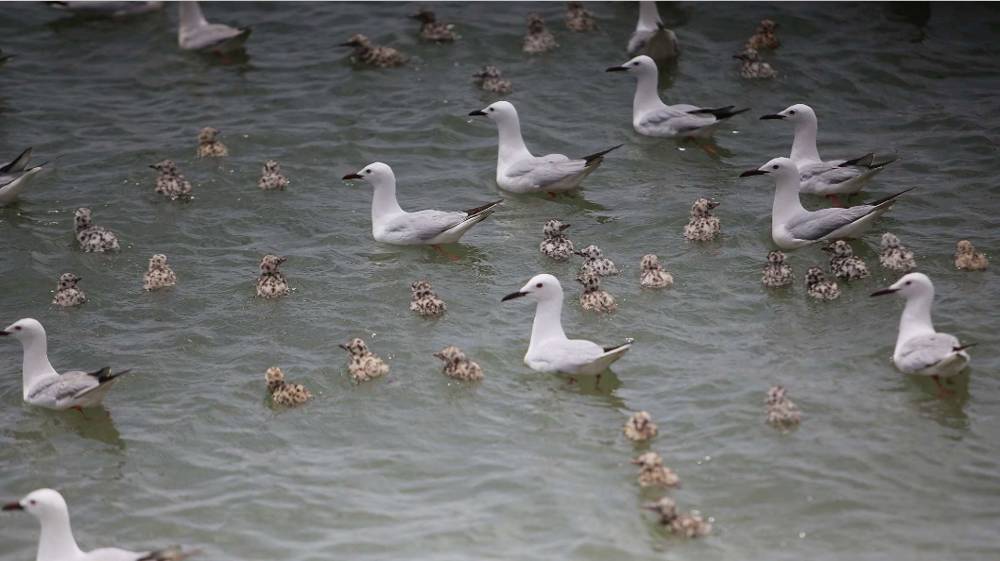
(87, 8)
(15, 176)
(518, 171)
(792, 226)
(919, 349)
(550, 350)
(56, 542)
(194, 33)
(652, 117)
(391, 224)
(830, 177)
(651, 37)
(43, 386)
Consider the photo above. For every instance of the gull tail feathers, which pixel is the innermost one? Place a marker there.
(887, 201)
(719, 113)
(593, 159)
(18, 163)
(868, 161)
(486, 209)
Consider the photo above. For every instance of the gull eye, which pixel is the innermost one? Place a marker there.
(368, 171)
(491, 109)
(17, 327)
(775, 166)
(635, 63)
(32, 502)
(908, 283)
(792, 112)
(539, 285)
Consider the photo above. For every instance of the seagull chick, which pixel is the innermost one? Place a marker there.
(844, 264)
(968, 259)
(490, 79)
(373, 55)
(364, 365)
(208, 146)
(640, 427)
(579, 18)
(538, 39)
(271, 178)
(595, 261)
(776, 272)
(652, 472)
(159, 274)
(752, 68)
(170, 183)
(702, 226)
(433, 30)
(781, 412)
(593, 298)
(458, 366)
(93, 238)
(764, 37)
(282, 392)
(651, 273)
(895, 256)
(688, 525)
(67, 293)
(425, 301)
(271, 283)
(556, 245)
(818, 287)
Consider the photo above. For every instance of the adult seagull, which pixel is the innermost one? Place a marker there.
(15, 176)
(391, 224)
(194, 33)
(792, 226)
(550, 350)
(94, 9)
(43, 386)
(518, 171)
(831, 177)
(919, 349)
(651, 37)
(652, 117)
(56, 542)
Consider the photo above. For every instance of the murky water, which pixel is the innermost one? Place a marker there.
(522, 465)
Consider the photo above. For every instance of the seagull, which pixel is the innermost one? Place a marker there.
(518, 171)
(830, 177)
(792, 226)
(87, 8)
(56, 542)
(550, 350)
(43, 386)
(195, 33)
(651, 117)
(651, 38)
(919, 349)
(391, 224)
(15, 176)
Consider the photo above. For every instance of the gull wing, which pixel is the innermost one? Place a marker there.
(925, 351)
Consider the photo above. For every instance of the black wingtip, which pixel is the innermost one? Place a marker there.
(596, 157)
(884, 200)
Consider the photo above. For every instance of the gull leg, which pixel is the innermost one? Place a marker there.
(710, 150)
(79, 409)
(445, 252)
(835, 201)
(551, 194)
(942, 391)
(597, 383)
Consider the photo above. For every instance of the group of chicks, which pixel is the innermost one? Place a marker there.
(764, 38)
(846, 266)
(158, 275)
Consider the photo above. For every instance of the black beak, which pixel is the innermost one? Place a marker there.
(477, 113)
(771, 116)
(827, 248)
(740, 57)
(153, 166)
(564, 226)
(344, 346)
(513, 295)
(751, 172)
(4, 333)
(883, 292)
(712, 204)
(615, 69)
(347, 44)
(352, 176)
(13, 506)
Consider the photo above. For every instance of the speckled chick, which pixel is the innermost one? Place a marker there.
(93, 239)
(458, 366)
(968, 259)
(271, 283)
(702, 226)
(538, 39)
(282, 392)
(594, 299)
(170, 183)
(271, 178)
(651, 273)
(208, 144)
(579, 18)
(433, 30)
(595, 261)
(555, 245)
(776, 272)
(159, 274)
(374, 55)
(781, 411)
(844, 264)
(491, 80)
(363, 364)
(764, 37)
(67, 293)
(752, 68)
(895, 256)
(424, 301)
(818, 287)
(688, 525)
(640, 427)
(652, 472)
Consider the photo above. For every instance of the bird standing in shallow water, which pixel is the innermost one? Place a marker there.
(968, 259)
(433, 30)
(170, 183)
(425, 301)
(93, 239)
(579, 18)
(640, 427)
(209, 146)
(271, 178)
(159, 274)
(490, 79)
(556, 245)
(373, 55)
(538, 39)
(593, 298)
(271, 283)
(702, 226)
(282, 392)
(67, 293)
(895, 256)
(819, 287)
(651, 273)
(458, 366)
(364, 365)
(844, 264)
(776, 272)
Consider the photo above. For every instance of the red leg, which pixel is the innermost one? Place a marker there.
(551, 194)
(444, 252)
(942, 391)
(710, 150)
(835, 201)
(79, 410)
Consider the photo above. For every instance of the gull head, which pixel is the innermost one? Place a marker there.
(40, 503)
(541, 287)
(591, 252)
(68, 280)
(166, 166)
(798, 113)
(26, 329)
(358, 41)
(424, 16)
(776, 257)
(271, 167)
(375, 173)
(591, 281)
(777, 168)
(767, 26)
(554, 228)
(640, 65)
(703, 207)
(82, 218)
(748, 54)
(269, 264)
(207, 135)
(158, 261)
(964, 247)
(499, 111)
(450, 354)
(890, 241)
(420, 288)
(535, 23)
(840, 249)
(814, 276)
(648, 460)
(274, 377)
(650, 262)
(488, 71)
(356, 347)
(909, 286)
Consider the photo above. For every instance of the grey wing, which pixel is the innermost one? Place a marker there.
(828, 172)
(546, 170)
(211, 34)
(677, 118)
(426, 224)
(815, 225)
(925, 351)
(638, 42)
(64, 387)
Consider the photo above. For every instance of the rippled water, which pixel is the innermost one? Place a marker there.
(522, 465)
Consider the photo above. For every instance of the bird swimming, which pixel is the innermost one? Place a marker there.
(651, 273)
(776, 272)
(555, 245)
(424, 301)
(433, 30)
(538, 39)
(67, 292)
(844, 264)
(15, 175)
(894, 256)
(640, 427)
(702, 226)
(652, 472)
(458, 366)
(169, 182)
(282, 392)
(752, 67)
(579, 18)
(819, 287)
(968, 259)
(159, 274)
(96, 239)
(271, 283)
(363, 364)
(271, 178)
(651, 37)
(593, 298)
(368, 53)
(208, 144)
(194, 33)
(490, 79)
(595, 262)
